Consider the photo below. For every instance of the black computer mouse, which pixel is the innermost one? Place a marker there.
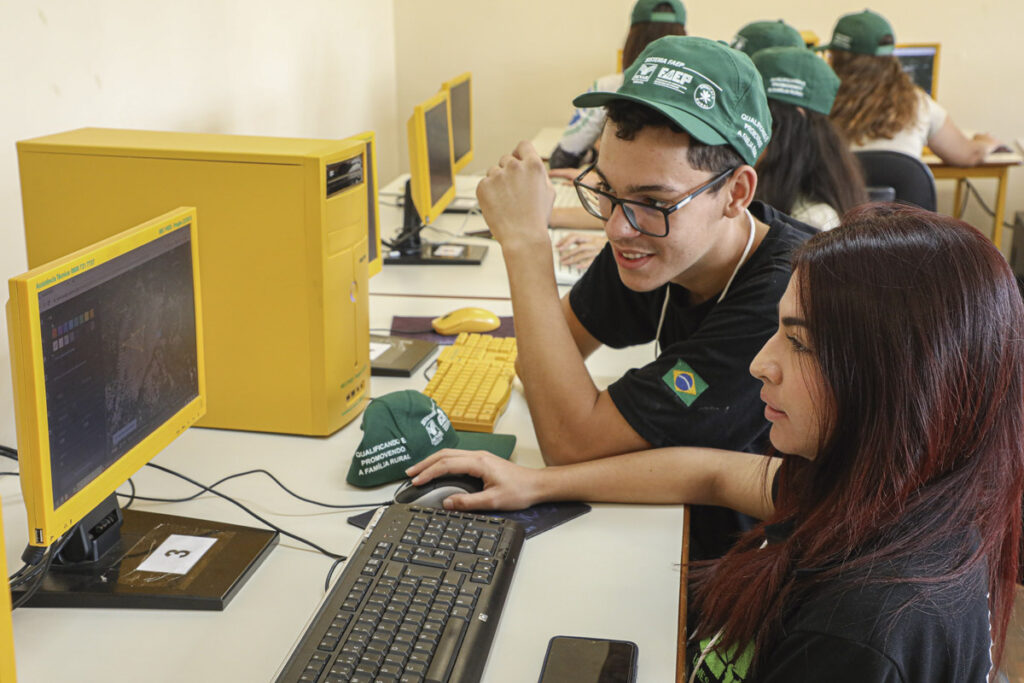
(432, 493)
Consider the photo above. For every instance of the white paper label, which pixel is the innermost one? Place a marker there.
(449, 250)
(177, 554)
(377, 349)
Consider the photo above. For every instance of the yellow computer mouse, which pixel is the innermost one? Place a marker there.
(470, 319)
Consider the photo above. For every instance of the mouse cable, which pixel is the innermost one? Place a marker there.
(250, 512)
(8, 452)
(333, 506)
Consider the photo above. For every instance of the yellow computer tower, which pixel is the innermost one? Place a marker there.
(289, 237)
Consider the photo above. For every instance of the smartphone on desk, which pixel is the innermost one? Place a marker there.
(571, 659)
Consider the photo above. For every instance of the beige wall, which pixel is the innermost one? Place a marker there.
(317, 68)
(530, 57)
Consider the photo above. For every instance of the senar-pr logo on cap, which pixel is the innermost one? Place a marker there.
(760, 35)
(399, 430)
(711, 91)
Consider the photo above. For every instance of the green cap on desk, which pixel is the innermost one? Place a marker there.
(758, 35)
(795, 75)
(644, 10)
(404, 427)
(866, 33)
(708, 89)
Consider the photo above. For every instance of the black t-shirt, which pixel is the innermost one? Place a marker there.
(699, 391)
(852, 631)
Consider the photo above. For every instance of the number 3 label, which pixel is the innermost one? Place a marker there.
(177, 554)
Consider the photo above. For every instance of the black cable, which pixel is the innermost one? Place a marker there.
(333, 506)
(40, 573)
(8, 452)
(330, 572)
(9, 474)
(250, 512)
(973, 190)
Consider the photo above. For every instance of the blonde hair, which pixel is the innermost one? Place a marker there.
(876, 99)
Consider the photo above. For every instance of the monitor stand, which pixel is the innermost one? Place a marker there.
(409, 249)
(140, 566)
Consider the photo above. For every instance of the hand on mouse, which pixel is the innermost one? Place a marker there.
(516, 198)
(506, 486)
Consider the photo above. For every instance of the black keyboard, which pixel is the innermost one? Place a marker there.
(418, 601)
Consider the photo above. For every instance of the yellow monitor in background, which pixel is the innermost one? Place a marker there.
(618, 61)
(107, 366)
(288, 245)
(810, 38)
(920, 61)
(430, 188)
(460, 98)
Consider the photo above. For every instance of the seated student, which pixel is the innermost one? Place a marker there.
(650, 20)
(759, 35)
(692, 263)
(879, 107)
(891, 530)
(808, 170)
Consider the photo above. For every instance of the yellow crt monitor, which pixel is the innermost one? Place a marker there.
(106, 357)
(460, 99)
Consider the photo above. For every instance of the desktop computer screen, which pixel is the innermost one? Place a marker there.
(920, 61)
(460, 96)
(430, 188)
(107, 361)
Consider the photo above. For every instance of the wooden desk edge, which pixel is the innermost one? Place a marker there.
(684, 570)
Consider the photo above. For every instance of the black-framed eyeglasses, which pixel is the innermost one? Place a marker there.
(644, 218)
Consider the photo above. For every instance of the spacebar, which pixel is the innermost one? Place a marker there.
(447, 649)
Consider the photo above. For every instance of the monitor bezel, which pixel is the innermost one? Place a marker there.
(449, 85)
(48, 523)
(419, 159)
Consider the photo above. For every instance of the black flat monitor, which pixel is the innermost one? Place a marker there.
(920, 61)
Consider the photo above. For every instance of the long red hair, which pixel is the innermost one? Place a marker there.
(917, 325)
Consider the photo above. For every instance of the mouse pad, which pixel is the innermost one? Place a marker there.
(535, 520)
(419, 328)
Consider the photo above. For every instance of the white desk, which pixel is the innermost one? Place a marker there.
(611, 573)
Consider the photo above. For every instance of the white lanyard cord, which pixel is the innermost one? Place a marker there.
(743, 257)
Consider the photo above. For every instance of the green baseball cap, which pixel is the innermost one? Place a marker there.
(866, 33)
(797, 76)
(710, 90)
(762, 34)
(643, 10)
(404, 427)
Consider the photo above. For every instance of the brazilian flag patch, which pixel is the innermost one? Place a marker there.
(685, 382)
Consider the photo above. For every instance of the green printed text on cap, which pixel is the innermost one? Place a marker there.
(710, 90)
(645, 10)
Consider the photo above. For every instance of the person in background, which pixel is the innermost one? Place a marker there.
(650, 20)
(758, 35)
(891, 530)
(807, 170)
(879, 107)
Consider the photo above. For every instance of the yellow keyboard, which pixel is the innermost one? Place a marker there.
(474, 380)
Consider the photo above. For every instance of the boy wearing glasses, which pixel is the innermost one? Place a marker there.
(692, 262)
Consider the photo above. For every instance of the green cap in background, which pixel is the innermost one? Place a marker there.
(404, 427)
(796, 75)
(759, 35)
(643, 10)
(711, 91)
(866, 33)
